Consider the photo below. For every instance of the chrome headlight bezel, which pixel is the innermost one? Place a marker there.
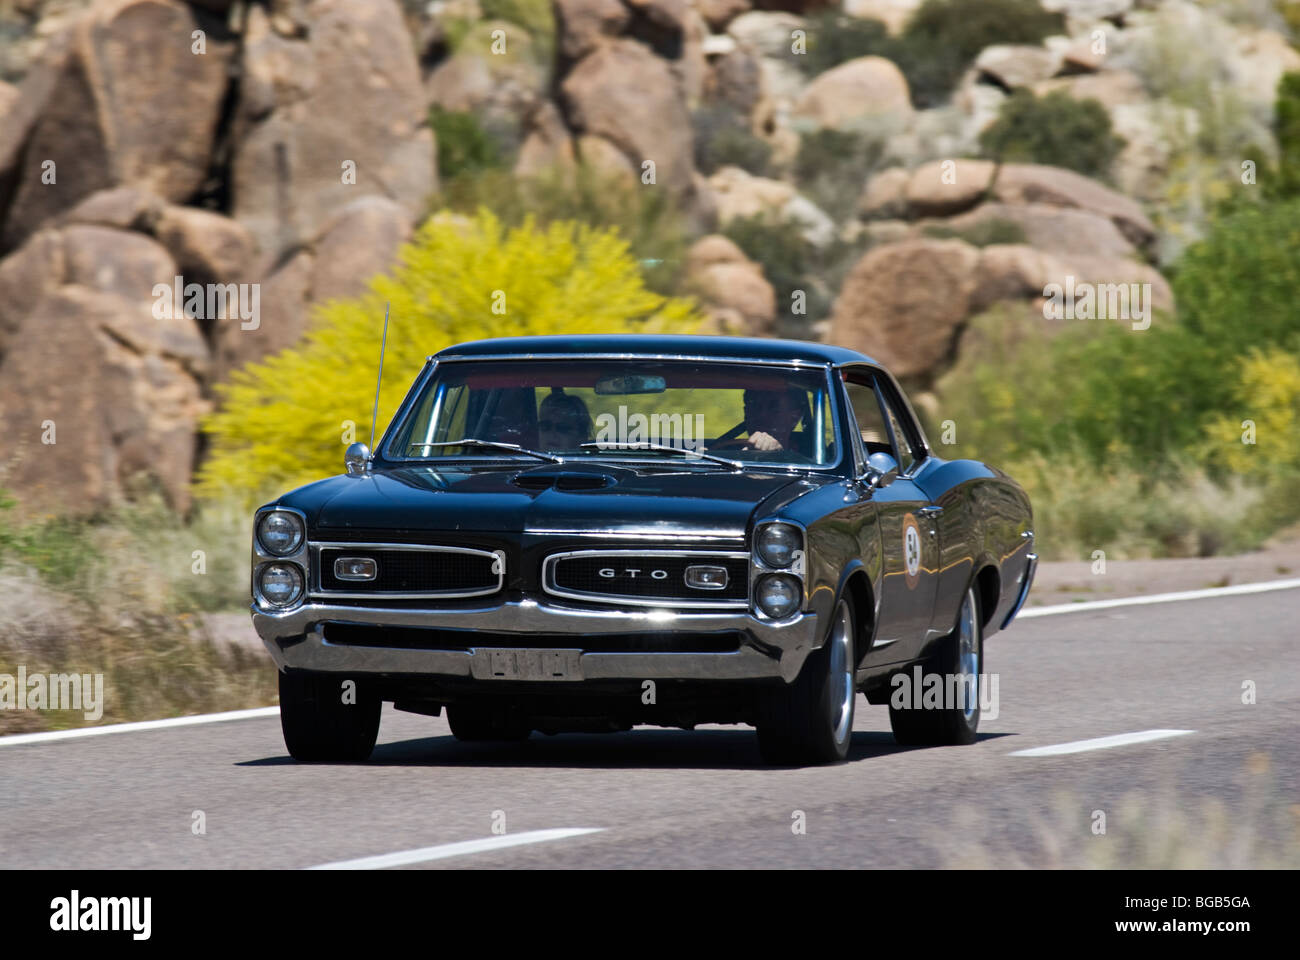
(788, 563)
(791, 585)
(777, 544)
(299, 583)
(294, 518)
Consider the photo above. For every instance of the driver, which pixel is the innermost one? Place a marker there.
(563, 421)
(771, 416)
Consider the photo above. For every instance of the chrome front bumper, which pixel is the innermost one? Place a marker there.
(770, 649)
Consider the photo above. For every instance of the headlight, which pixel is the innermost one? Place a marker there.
(279, 532)
(777, 595)
(777, 543)
(280, 584)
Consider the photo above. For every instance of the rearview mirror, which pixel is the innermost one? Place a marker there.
(630, 383)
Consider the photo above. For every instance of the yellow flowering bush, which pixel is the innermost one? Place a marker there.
(285, 420)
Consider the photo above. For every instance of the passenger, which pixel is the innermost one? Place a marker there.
(563, 421)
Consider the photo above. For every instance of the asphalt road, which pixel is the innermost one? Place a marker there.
(1224, 795)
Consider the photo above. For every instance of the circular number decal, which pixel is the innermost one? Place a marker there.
(912, 550)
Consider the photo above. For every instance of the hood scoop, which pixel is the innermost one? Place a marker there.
(566, 480)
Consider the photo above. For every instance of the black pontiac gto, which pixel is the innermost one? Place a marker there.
(588, 533)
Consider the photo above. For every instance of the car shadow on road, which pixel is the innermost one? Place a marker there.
(636, 749)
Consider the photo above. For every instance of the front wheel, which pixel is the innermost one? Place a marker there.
(811, 720)
(324, 720)
(957, 663)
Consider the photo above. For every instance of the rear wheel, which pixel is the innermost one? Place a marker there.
(960, 656)
(474, 723)
(323, 721)
(811, 720)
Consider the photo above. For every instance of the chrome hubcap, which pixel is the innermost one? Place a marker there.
(841, 666)
(968, 655)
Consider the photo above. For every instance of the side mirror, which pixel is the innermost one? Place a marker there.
(357, 459)
(881, 471)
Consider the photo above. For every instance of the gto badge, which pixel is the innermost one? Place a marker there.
(609, 573)
(912, 550)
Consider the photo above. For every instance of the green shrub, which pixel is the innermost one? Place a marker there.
(936, 46)
(944, 37)
(463, 145)
(835, 37)
(722, 139)
(834, 164)
(791, 263)
(285, 420)
(1056, 130)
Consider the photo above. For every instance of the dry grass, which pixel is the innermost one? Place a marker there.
(120, 596)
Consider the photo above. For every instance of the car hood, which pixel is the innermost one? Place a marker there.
(545, 498)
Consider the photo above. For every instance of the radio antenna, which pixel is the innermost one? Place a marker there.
(374, 415)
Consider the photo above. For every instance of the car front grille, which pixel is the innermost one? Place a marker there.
(645, 577)
(410, 571)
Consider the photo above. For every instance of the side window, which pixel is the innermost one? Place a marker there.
(906, 461)
(871, 424)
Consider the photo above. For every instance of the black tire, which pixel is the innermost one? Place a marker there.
(952, 724)
(318, 726)
(476, 724)
(805, 722)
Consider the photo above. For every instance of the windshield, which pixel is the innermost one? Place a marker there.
(623, 409)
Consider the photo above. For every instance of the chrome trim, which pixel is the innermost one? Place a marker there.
(640, 533)
(771, 650)
(759, 568)
(261, 556)
(726, 577)
(549, 586)
(694, 358)
(264, 602)
(315, 590)
(1031, 565)
(340, 566)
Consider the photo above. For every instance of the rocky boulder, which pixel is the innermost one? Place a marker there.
(904, 304)
(862, 89)
(99, 379)
(358, 242)
(89, 117)
(1035, 183)
(737, 296)
(894, 14)
(341, 104)
(630, 97)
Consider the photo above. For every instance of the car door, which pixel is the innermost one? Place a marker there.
(908, 533)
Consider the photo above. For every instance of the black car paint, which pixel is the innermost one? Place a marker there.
(854, 543)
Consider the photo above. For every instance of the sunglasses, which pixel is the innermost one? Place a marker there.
(559, 426)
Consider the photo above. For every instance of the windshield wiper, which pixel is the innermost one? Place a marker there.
(490, 444)
(663, 448)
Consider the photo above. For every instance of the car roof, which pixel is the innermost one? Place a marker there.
(632, 345)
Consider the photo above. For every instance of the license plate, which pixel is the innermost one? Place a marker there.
(496, 664)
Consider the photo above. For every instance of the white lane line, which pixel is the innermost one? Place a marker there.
(1100, 743)
(443, 851)
(21, 738)
(1236, 589)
